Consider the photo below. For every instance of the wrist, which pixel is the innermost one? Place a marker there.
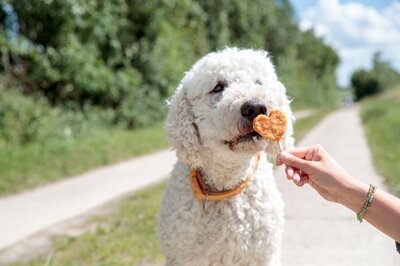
(353, 194)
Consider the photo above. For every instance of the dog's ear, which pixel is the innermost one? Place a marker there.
(181, 128)
(287, 140)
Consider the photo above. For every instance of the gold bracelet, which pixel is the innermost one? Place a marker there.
(368, 202)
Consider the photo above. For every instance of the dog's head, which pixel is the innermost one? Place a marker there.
(214, 106)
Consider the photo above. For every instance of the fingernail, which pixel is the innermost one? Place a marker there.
(296, 177)
(290, 171)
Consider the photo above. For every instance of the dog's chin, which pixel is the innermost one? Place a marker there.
(248, 143)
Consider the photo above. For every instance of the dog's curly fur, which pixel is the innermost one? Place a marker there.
(206, 127)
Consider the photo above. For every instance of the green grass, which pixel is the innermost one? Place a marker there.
(28, 166)
(128, 235)
(381, 119)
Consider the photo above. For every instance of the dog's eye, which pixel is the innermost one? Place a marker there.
(219, 87)
(259, 82)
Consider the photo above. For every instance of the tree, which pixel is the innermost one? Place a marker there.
(386, 75)
(381, 77)
(364, 84)
(126, 56)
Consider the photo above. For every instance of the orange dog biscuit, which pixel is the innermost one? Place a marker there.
(271, 127)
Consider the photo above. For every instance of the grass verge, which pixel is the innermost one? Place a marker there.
(35, 164)
(128, 235)
(381, 119)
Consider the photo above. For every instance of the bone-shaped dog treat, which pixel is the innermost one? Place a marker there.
(271, 127)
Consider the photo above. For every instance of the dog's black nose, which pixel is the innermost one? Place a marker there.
(253, 108)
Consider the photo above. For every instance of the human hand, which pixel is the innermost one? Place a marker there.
(314, 166)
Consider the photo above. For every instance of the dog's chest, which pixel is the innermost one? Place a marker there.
(245, 226)
(244, 218)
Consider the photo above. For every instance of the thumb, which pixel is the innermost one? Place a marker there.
(293, 161)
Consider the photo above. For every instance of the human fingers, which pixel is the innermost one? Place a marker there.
(300, 152)
(301, 183)
(295, 162)
(298, 179)
(304, 179)
(309, 153)
(289, 172)
(278, 161)
(296, 176)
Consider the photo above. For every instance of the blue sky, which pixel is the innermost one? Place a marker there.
(355, 28)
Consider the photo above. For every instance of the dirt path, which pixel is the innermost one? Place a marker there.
(322, 233)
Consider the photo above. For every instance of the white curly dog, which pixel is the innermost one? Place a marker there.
(210, 125)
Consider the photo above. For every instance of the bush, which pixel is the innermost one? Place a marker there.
(380, 78)
(26, 119)
(125, 57)
(23, 120)
(364, 84)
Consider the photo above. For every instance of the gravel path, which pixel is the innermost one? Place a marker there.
(323, 233)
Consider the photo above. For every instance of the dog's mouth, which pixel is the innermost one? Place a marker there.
(252, 136)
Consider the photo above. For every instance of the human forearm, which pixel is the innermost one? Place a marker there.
(384, 212)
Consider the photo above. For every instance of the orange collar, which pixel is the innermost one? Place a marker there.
(203, 192)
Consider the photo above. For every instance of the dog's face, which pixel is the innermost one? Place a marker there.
(214, 107)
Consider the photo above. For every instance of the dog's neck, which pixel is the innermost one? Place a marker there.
(225, 172)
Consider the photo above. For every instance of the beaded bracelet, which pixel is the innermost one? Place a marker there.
(368, 201)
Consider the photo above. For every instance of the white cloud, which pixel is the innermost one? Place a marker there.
(356, 31)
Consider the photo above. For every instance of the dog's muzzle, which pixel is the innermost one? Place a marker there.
(253, 108)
